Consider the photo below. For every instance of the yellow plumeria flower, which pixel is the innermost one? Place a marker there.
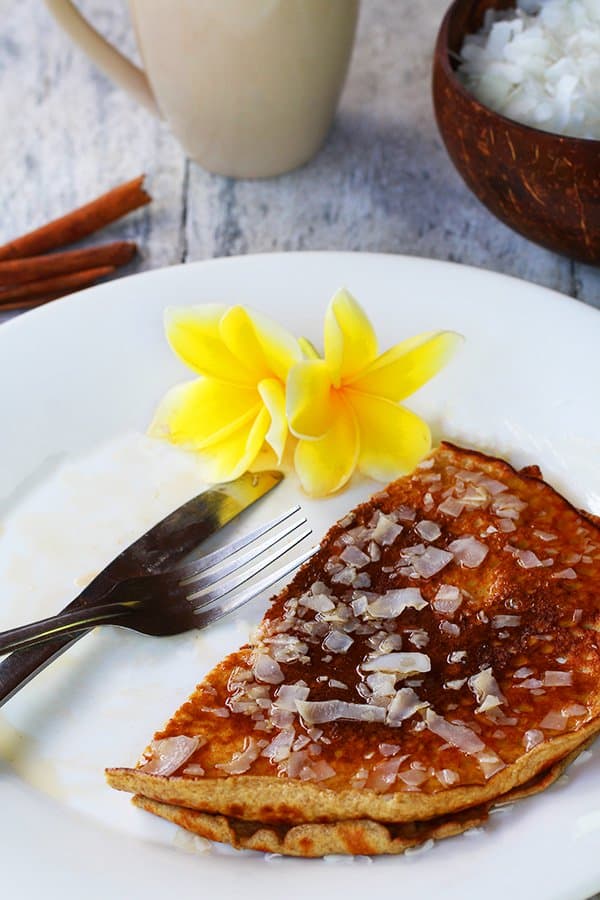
(345, 408)
(238, 403)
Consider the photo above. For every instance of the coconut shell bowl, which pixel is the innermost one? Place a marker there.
(543, 185)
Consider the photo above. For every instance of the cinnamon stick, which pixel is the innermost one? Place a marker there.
(35, 268)
(61, 284)
(78, 224)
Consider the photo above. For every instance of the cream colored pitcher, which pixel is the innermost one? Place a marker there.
(248, 86)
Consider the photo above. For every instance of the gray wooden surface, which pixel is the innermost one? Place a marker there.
(382, 182)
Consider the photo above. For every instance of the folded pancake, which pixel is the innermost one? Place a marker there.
(353, 836)
(439, 652)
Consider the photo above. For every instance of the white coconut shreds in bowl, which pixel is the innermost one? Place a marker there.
(539, 64)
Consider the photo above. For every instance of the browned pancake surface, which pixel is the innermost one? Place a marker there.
(504, 630)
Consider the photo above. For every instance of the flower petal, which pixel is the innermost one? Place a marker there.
(403, 369)
(349, 339)
(392, 439)
(237, 452)
(204, 412)
(193, 333)
(325, 465)
(266, 348)
(309, 398)
(272, 394)
(308, 349)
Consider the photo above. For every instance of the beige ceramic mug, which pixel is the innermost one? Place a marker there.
(248, 86)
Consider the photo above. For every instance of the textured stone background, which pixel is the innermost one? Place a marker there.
(382, 181)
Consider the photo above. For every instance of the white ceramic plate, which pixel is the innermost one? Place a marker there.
(80, 379)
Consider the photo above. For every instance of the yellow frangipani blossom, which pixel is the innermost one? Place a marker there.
(345, 408)
(238, 402)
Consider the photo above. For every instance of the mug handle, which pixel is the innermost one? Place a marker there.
(116, 66)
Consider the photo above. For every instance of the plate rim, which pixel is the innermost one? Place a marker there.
(37, 316)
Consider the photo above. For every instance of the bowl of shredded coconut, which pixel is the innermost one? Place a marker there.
(516, 90)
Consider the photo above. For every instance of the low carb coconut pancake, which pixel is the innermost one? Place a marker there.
(437, 654)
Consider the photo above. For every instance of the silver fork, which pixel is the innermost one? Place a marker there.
(192, 595)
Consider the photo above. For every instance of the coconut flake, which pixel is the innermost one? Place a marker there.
(554, 721)
(389, 749)
(448, 592)
(394, 602)
(194, 769)
(569, 574)
(169, 754)
(475, 496)
(404, 705)
(523, 672)
(241, 762)
(429, 531)
(346, 575)
(419, 638)
(432, 561)
(451, 507)
(400, 663)
(468, 551)
(557, 679)
(319, 711)
(405, 513)
(361, 580)
(530, 684)
(389, 643)
(446, 777)
(383, 775)
(447, 599)
(337, 642)
(506, 621)
(508, 506)
(267, 669)
(355, 557)
(280, 747)
(374, 551)
(532, 738)
(287, 694)
(359, 605)
(492, 486)
(319, 587)
(386, 531)
(458, 736)
(296, 763)
(486, 689)
(506, 525)
(318, 603)
(412, 777)
(382, 684)
(490, 762)
(527, 559)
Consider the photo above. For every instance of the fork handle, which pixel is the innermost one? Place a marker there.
(64, 624)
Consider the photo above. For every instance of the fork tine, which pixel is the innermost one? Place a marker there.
(207, 615)
(220, 588)
(237, 560)
(199, 565)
